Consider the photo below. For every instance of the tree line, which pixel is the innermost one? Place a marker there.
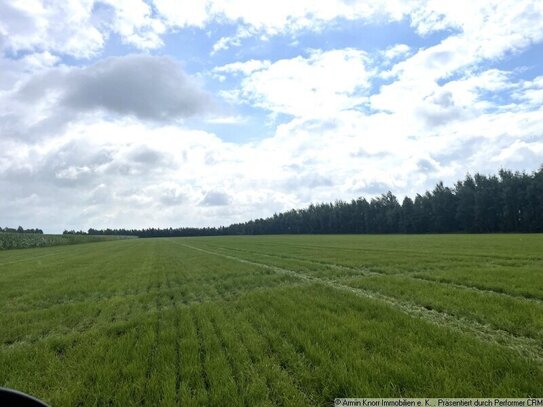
(506, 202)
(20, 229)
(78, 232)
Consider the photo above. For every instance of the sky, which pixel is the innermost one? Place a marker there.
(159, 113)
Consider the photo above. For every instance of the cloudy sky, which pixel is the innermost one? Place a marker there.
(133, 113)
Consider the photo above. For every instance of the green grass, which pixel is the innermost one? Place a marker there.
(273, 320)
(28, 240)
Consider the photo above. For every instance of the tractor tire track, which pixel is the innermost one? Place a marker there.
(364, 271)
(526, 347)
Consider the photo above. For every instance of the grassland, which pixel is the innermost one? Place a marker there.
(29, 240)
(295, 320)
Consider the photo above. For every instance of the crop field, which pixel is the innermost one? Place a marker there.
(273, 320)
(28, 240)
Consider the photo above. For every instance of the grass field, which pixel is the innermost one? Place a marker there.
(278, 320)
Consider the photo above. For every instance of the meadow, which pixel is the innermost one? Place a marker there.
(273, 320)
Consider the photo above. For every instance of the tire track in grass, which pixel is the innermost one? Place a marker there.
(526, 347)
(480, 288)
(361, 271)
(417, 253)
(364, 271)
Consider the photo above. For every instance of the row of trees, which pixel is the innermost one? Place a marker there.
(156, 232)
(75, 232)
(20, 229)
(507, 202)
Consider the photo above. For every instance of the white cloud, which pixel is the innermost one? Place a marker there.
(183, 13)
(396, 51)
(291, 16)
(146, 87)
(237, 119)
(235, 40)
(77, 27)
(133, 21)
(81, 27)
(485, 31)
(492, 26)
(531, 92)
(245, 68)
(62, 27)
(321, 84)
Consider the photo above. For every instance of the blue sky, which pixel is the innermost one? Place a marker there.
(139, 113)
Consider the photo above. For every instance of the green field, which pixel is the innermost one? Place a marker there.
(273, 320)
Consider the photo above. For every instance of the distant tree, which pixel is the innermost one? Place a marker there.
(509, 202)
(444, 205)
(407, 224)
(465, 210)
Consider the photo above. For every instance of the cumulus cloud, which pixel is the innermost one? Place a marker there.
(77, 28)
(139, 86)
(446, 81)
(132, 20)
(60, 27)
(322, 83)
(147, 87)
